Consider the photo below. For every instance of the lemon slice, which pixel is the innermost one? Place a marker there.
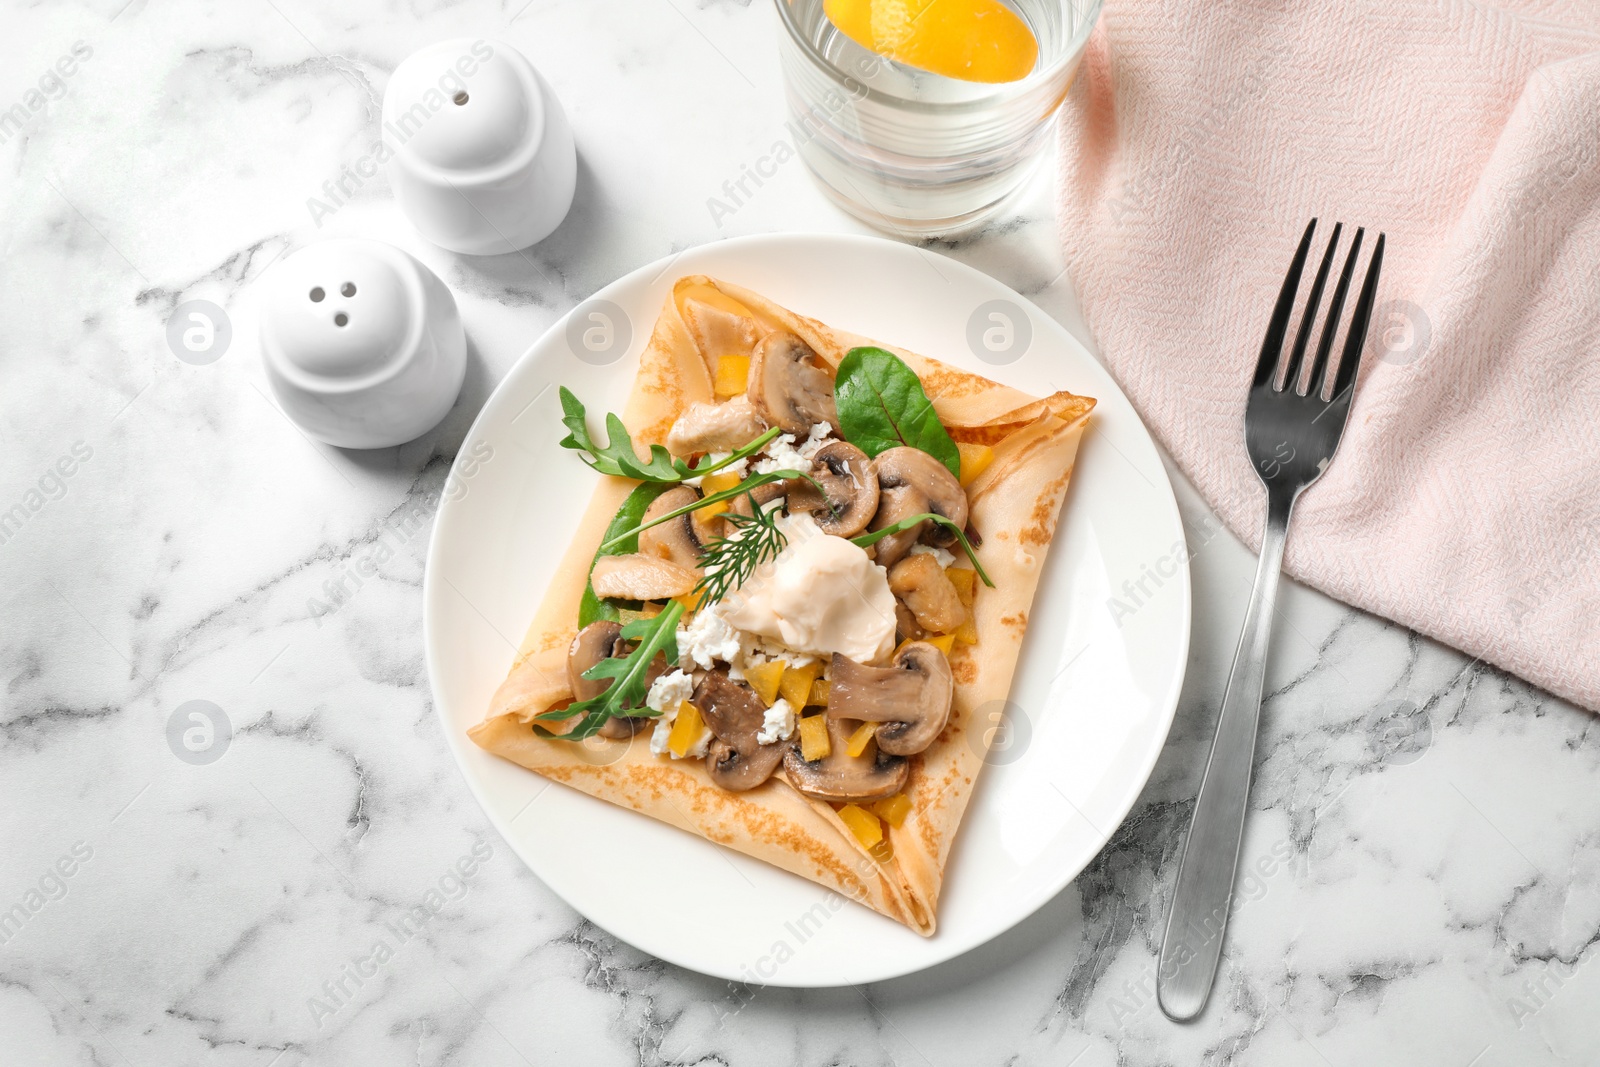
(973, 40)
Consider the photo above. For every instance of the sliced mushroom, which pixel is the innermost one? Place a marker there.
(736, 760)
(764, 493)
(722, 427)
(790, 385)
(639, 577)
(620, 726)
(849, 496)
(595, 642)
(840, 777)
(911, 697)
(910, 482)
(682, 540)
(922, 586)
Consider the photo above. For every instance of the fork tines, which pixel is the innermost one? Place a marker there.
(1316, 375)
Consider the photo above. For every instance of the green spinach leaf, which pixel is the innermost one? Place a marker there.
(882, 405)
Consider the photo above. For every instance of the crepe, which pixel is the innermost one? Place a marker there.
(1014, 505)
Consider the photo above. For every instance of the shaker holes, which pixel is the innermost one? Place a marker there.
(317, 294)
(341, 319)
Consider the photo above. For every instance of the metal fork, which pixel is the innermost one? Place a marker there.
(1290, 437)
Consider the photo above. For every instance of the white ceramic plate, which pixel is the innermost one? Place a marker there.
(1091, 704)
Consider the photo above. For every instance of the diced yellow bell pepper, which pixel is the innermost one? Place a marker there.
(718, 482)
(733, 376)
(893, 810)
(967, 632)
(965, 579)
(975, 459)
(883, 851)
(686, 729)
(819, 693)
(862, 823)
(814, 743)
(861, 738)
(711, 511)
(650, 611)
(765, 678)
(796, 684)
(690, 601)
(942, 642)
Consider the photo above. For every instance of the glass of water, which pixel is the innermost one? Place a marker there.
(920, 154)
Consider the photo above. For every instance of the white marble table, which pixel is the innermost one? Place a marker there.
(1427, 827)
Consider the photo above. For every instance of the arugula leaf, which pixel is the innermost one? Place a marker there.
(619, 458)
(927, 516)
(626, 694)
(881, 405)
(591, 608)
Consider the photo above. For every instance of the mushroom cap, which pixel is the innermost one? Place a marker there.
(736, 761)
(910, 482)
(840, 777)
(849, 496)
(681, 540)
(791, 387)
(910, 698)
(767, 491)
(594, 642)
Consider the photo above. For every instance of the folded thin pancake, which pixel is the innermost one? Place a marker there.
(1014, 505)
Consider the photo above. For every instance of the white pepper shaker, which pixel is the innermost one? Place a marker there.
(484, 161)
(363, 345)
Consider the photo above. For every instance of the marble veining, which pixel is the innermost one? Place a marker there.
(1422, 880)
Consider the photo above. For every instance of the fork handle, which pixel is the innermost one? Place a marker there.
(1201, 899)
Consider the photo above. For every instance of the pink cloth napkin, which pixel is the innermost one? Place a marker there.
(1199, 139)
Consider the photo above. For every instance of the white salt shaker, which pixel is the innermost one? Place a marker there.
(362, 344)
(484, 161)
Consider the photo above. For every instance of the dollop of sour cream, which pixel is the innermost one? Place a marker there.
(821, 595)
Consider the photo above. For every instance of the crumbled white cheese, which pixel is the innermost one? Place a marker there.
(940, 556)
(707, 639)
(668, 691)
(658, 740)
(778, 724)
(737, 467)
(816, 439)
(782, 454)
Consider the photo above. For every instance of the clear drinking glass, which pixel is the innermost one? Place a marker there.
(915, 153)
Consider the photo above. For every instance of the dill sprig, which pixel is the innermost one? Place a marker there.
(729, 561)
